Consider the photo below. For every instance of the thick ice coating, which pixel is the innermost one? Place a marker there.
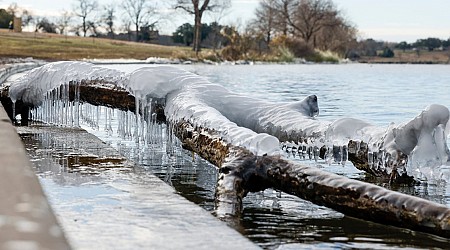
(32, 87)
(255, 124)
(145, 84)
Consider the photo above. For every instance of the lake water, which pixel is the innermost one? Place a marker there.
(379, 94)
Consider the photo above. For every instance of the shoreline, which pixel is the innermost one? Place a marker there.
(170, 61)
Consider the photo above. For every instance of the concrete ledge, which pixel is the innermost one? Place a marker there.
(105, 201)
(26, 219)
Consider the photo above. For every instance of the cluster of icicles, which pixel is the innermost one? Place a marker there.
(140, 126)
(241, 121)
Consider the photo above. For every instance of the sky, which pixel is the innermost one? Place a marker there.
(388, 20)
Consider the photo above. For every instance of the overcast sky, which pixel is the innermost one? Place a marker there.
(389, 20)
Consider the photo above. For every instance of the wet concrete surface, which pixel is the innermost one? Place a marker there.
(26, 219)
(105, 201)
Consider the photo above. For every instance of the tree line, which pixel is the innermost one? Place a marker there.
(88, 17)
(283, 28)
(279, 30)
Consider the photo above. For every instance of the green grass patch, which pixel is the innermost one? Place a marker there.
(58, 47)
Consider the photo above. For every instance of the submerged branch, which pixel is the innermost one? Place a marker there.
(242, 172)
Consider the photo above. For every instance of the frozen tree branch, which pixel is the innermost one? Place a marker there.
(242, 171)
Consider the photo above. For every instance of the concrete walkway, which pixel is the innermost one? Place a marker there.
(104, 201)
(26, 219)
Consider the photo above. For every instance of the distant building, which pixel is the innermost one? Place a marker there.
(17, 24)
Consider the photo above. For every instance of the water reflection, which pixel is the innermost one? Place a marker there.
(121, 205)
(306, 225)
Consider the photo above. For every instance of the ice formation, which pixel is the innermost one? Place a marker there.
(33, 87)
(251, 123)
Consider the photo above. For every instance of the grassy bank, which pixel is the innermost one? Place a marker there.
(412, 57)
(59, 47)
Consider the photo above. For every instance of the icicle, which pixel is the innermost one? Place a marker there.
(294, 150)
(128, 124)
(76, 103)
(142, 124)
(316, 153)
(67, 110)
(137, 119)
(304, 154)
(109, 114)
(97, 117)
(344, 155)
(337, 154)
(14, 110)
(121, 124)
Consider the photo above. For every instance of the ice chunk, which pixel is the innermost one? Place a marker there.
(424, 140)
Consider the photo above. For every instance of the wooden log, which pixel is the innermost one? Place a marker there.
(93, 92)
(242, 172)
(104, 93)
(351, 197)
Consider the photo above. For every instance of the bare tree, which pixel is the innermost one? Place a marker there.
(139, 12)
(339, 38)
(308, 17)
(109, 15)
(62, 23)
(83, 8)
(214, 36)
(13, 9)
(27, 18)
(265, 20)
(197, 8)
(126, 27)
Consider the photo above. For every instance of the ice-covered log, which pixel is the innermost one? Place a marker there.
(398, 150)
(247, 160)
(414, 149)
(95, 92)
(242, 172)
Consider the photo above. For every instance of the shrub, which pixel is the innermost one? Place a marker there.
(324, 56)
(297, 47)
(387, 52)
(209, 55)
(231, 53)
(285, 54)
(181, 54)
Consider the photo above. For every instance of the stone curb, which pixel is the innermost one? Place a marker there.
(26, 219)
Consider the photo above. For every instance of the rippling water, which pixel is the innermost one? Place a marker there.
(379, 94)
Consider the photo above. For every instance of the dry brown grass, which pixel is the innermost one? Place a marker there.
(59, 47)
(410, 56)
